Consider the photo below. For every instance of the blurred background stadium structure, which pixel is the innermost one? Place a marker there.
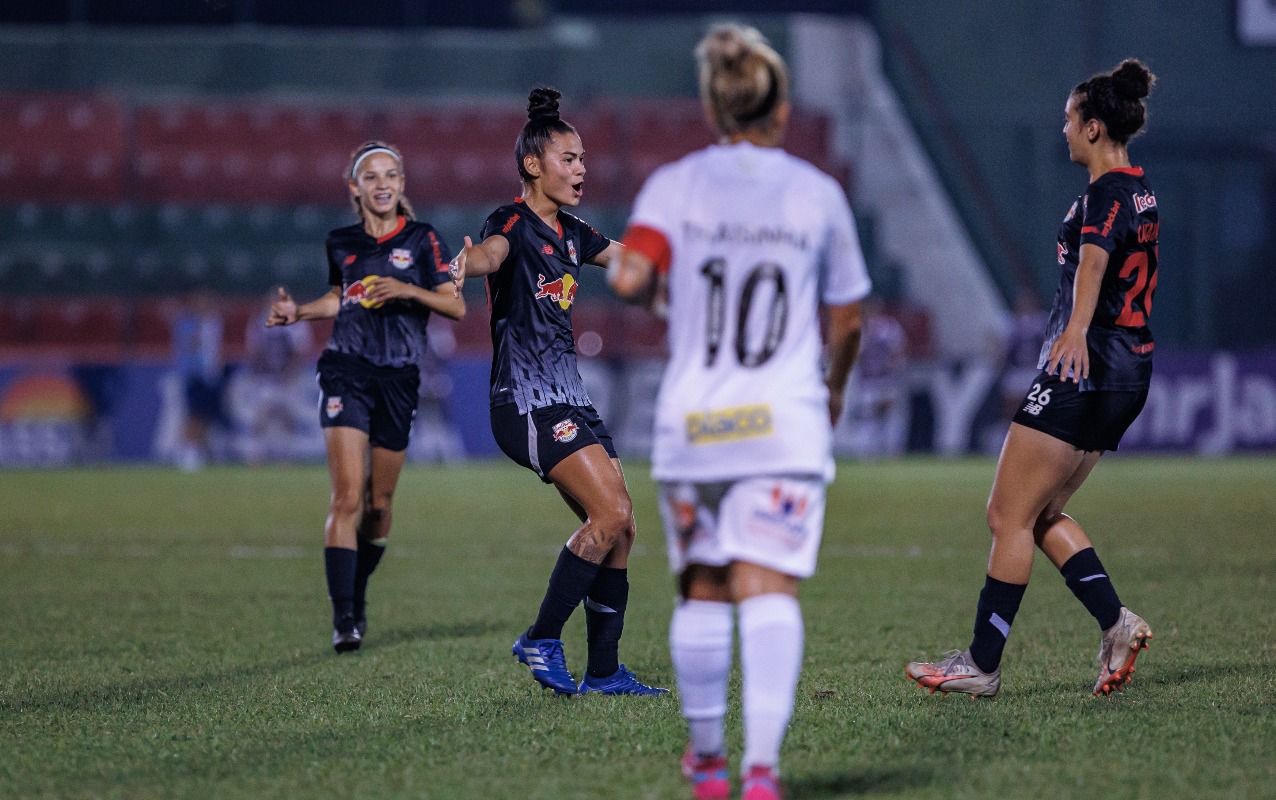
(163, 165)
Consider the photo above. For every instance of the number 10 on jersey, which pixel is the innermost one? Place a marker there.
(715, 271)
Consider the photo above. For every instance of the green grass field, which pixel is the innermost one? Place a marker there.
(166, 636)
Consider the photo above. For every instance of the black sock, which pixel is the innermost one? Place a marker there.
(370, 552)
(1090, 583)
(998, 604)
(340, 564)
(568, 584)
(605, 619)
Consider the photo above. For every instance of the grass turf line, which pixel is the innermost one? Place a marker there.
(168, 638)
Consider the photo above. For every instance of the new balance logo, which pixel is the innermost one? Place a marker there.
(1033, 409)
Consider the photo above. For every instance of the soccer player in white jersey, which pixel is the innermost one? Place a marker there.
(745, 243)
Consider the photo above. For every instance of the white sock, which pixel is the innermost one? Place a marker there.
(771, 658)
(700, 643)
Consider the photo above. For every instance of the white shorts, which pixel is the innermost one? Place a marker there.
(773, 522)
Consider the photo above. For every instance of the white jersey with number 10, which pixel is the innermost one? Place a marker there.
(758, 240)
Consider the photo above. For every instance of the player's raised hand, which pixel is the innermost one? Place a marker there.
(456, 267)
(283, 310)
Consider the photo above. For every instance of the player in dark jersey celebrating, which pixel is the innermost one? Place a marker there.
(1096, 364)
(387, 272)
(532, 252)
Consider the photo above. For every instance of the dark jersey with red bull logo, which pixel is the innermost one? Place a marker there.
(1118, 213)
(392, 334)
(533, 353)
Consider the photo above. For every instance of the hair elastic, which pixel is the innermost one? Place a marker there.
(354, 171)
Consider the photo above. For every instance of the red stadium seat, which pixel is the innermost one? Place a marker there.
(97, 322)
(61, 148)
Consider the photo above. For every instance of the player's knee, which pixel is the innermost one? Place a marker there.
(999, 521)
(379, 503)
(616, 519)
(345, 503)
(1046, 520)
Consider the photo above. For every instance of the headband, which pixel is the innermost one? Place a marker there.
(354, 171)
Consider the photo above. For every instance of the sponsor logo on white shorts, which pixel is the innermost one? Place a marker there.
(334, 407)
(785, 516)
(565, 431)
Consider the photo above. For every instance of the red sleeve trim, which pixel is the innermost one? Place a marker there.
(651, 243)
(436, 253)
(1089, 229)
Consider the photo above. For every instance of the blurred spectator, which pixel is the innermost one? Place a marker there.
(272, 398)
(197, 359)
(876, 415)
(1026, 332)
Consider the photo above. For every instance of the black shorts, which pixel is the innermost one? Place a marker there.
(1086, 420)
(204, 400)
(542, 438)
(380, 401)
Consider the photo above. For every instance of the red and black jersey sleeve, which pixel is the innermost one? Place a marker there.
(1107, 217)
(505, 221)
(432, 259)
(591, 241)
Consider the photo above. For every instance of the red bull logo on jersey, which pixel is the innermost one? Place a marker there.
(400, 258)
(571, 252)
(561, 290)
(357, 292)
(333, 407)
(565, 431)
(728, 424)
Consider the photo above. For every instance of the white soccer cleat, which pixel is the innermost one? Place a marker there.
(1119, 648)
(957, 672)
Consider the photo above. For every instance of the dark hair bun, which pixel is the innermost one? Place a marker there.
(1132, 79)
(542, 104)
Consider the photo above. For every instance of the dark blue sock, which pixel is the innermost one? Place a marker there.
(998, 604)
(1089, 581)
(370, 553)
(568, 584)
(340, 564)
(605, 619)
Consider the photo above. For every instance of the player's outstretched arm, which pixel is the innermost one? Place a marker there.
(610, 255)
(483, 258)
(285, 311)
(632, 276)
(844, 326)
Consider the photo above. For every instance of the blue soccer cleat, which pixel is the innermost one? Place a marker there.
(545, 659)
(622, 681)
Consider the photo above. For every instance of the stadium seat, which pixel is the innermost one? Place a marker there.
(78, 322)
(74, 145)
